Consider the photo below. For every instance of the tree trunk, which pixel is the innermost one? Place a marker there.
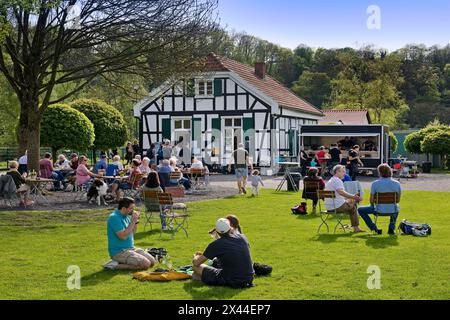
(30, 134)
(54, 155)
(94, 156)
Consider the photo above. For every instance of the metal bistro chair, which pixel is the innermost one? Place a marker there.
(325, 214)
(132, 191)
(198, 179)
(310, 189)
(151, 203)
(386, 198)
(177, 221)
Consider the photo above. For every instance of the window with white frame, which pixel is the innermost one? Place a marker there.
(205, 87)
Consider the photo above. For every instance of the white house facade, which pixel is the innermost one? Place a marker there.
(228, 104)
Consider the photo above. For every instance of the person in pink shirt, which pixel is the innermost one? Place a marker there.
(83, 174)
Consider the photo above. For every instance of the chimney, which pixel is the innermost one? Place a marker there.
(260, 70)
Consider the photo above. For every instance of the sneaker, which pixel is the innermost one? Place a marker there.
(244, 191)
(112, 265)
(391, 232)
(378, 231)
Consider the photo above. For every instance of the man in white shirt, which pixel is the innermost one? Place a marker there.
(343, 202)
(23, 163)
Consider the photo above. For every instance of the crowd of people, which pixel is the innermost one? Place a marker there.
(327, 158)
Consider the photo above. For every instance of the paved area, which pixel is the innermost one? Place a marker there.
(426, 182)
(225, 186)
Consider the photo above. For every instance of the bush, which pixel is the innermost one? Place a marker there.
(413, 142)
(438, 143)
(394, 142)
(109, 125)
(65, 127)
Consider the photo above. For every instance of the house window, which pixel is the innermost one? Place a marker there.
(182, 124)
(205, 88)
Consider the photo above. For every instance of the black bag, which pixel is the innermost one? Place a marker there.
(157, 253)
(262, 269)
(415, 229)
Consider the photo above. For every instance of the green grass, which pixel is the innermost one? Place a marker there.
(37, 248)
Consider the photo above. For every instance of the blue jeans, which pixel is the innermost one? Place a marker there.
(59, 178)
(364, 212)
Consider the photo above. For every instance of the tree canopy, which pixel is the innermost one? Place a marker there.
(109, 126)
(65, 127)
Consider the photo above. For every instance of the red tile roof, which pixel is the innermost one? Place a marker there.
(269, 86)
(347, 116)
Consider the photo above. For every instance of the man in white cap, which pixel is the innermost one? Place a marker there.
(233, 252)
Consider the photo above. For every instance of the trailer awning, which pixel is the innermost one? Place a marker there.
(319, 134)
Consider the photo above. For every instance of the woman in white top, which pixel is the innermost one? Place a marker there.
(145, 165)
(196, 164)
(117, 162)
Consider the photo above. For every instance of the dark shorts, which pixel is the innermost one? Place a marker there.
(213, 277)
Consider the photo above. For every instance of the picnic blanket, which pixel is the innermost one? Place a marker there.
(161, 276)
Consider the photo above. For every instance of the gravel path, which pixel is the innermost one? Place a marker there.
(225, 186)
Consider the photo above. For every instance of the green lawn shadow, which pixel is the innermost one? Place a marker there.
(100, 277)
(327, 238)
(200, 291)
(377, 242)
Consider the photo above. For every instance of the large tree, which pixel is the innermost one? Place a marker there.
(52, 43)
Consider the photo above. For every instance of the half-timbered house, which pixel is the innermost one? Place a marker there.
(227, 104)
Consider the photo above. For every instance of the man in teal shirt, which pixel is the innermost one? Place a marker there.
(122, 225)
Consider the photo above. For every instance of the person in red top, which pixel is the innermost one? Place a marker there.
(133, 181)
(322, 157)
(46, 171)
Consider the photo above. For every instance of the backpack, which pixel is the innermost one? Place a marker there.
(300, 209)
(415, 229)
(262, 269)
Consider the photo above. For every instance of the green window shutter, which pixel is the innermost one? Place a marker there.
(293, 141)
(190, 88)
(197, 130)
(166, 129)
(249, 123)
(218, 90)
(216, 133)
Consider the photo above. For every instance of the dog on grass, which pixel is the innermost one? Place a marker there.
(98, 192)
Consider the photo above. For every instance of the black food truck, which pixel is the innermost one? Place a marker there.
(373, 140)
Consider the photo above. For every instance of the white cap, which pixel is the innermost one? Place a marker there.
(223, 226)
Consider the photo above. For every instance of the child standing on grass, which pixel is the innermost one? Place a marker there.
(256, 179)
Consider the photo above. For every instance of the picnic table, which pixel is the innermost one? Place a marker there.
(37, 187)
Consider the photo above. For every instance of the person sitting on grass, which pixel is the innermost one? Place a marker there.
(313, 175)
(385, 184)
(343, 202)
(122, 225)
(22, 188)
(233, 251)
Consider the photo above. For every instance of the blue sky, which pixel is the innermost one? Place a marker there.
(339, 23)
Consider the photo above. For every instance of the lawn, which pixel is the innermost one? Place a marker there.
(37, 249)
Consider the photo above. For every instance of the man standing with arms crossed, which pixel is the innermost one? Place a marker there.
(242, 163)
